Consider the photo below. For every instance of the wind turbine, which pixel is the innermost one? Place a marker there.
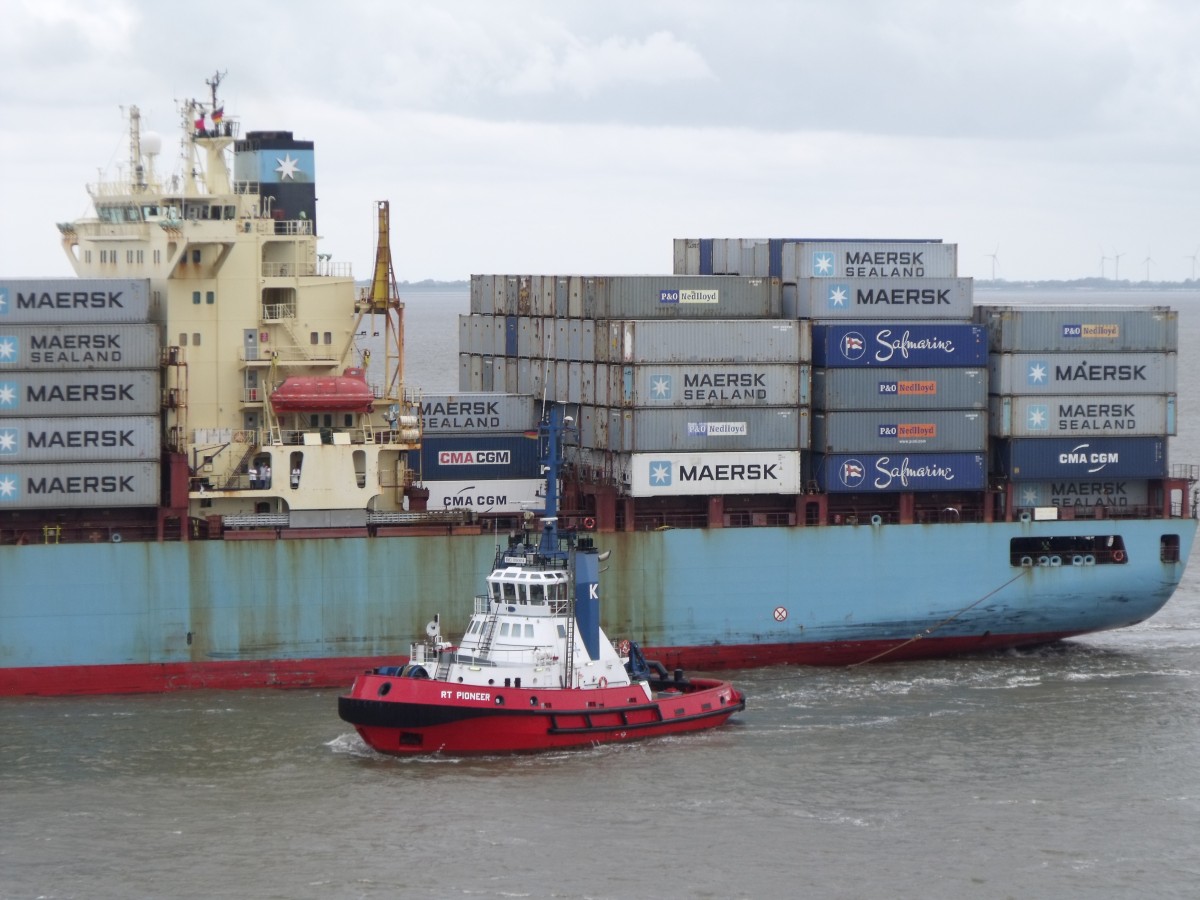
(1103, 260)
(1147, 261)
(1116, 264)
(993, 255)
(1193, 259)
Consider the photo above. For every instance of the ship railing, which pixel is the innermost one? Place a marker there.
(286, 354)
(274, 312)
(288, 269)
(483, 604)
(433, 516)
(110, 229)
(1185, 472)
(256, 520)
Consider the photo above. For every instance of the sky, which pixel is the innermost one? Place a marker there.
(1048, 140)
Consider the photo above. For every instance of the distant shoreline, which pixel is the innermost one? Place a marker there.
(429, 285)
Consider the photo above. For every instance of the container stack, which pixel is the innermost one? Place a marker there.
(80, 394)
(1082, 402)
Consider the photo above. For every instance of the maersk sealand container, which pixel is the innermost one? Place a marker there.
(899, 345)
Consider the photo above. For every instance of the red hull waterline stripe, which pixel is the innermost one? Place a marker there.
(339, 672)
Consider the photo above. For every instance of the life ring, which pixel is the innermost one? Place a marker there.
(589, 523)
(1118, 556)
(623, 647)
(602, 683)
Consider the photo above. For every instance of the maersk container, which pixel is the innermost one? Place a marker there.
(868, 259)
(50, 439)
(909, 431)
(1111, 493)
(1037, 459)
(867, 473)
(1115, 374)
(681, 297)
(460, 457)
(714, 340)
(881, 298)
(709, 429)
(476, 413)
(1139, 415)
(1080, 329)
(75, 485)
(740, 384)
(899, 345)
(100, 392)
(78, 300)
(714, 473)
(63, 347)
(923, 388)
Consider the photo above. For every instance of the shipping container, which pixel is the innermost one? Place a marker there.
(870, 299)
(685, 297)
(708, 384)
(676, 474)
(52, 439)
(487, 497)
(909, 388)
(868, 259)
(712, 341)
(93, 485)
(751, 428)
(1114, 374)
(1113, 493)
(899, 345)
(62, 347)
(477, 412)
(109, 301)
(100, 392)
(1082, 458)
(890, 431)
(900, 472)
(461, 457)
(1079, 329)
(1138, 415)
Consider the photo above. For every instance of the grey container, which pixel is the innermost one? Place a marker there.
(656, 385)
(893, 431)
(103, 393)
(69, 347)
(711, 340)
(917, 388)
(27, 301)
(476, 413)
(682, 297)
(1136, 415)
(75, 485)
(890, 299)
(470, 372)
(50, 439)
(1112, 493)
(1052, 374)
(1079, 329)
(868, 259)
(710, 429)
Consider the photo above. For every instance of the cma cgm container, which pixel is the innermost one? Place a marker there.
(708, 384)
(899, 345)
(52, 439)
(880, 298)
(1114, 493)
(1038, 459)
(79, 300)
(1074, 373)
(99, 392)
(651, 430)
(868, 473)
(84, 484)
(917, 388)
(681, 474)
(474, 413)
(1079, 416)
(1077, 329)
(884, 431)
(470, 457)
(486, 497)
(709, 341)
(37, 347)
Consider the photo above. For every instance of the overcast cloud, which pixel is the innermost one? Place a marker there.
(581, 137)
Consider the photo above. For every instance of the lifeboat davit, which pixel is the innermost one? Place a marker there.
(348, 392)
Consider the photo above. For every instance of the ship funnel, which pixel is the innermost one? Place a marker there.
(587, 600)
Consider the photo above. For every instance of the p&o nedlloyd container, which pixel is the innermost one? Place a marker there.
(916, 388)
(1074, 373)
(880, 298)
(1077, 329)
(652, 430)
(79, 300)
(884, 431)
(133, 392)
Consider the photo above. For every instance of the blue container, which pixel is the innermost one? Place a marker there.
(899, 345)
(875, 473)
(1029, 459)
(476, 458)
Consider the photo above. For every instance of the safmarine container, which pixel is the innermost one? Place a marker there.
(1076, 373)
(62, 347)
(915, 388)
(884, 431)
(1038, 459)
(98, 392)
(73, 300)
(731, 384)
(471, 457)
(899, 345)
(49, 439)
(1079, 329)
(881, 299)
(475, 413)
(867, 473)
(682, 474)
(1112, 493)
(711, 340)
(1082, 416)
(100, 485)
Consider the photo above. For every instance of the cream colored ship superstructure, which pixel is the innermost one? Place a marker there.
(245, 302)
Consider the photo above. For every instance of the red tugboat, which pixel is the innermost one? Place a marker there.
(534, 669)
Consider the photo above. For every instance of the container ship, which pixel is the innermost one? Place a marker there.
(798, 451)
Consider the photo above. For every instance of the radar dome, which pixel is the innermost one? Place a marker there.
(151, 143)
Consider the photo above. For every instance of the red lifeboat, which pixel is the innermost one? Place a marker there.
(348, 392)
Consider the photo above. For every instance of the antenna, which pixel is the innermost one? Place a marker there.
(994, 256)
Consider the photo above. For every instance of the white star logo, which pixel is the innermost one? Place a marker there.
(838, 295)
(1037, 417)
(1037, 373)
(287, 167)
(8, 440)
(8, 487)
(8, 349)
(661, 387)
(1029, 497)
(823, 263)
(8, 394)
(660, 473)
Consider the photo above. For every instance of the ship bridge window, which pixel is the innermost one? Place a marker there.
(528, 630)
(537, 593)
(509, 592)
(504, 629)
